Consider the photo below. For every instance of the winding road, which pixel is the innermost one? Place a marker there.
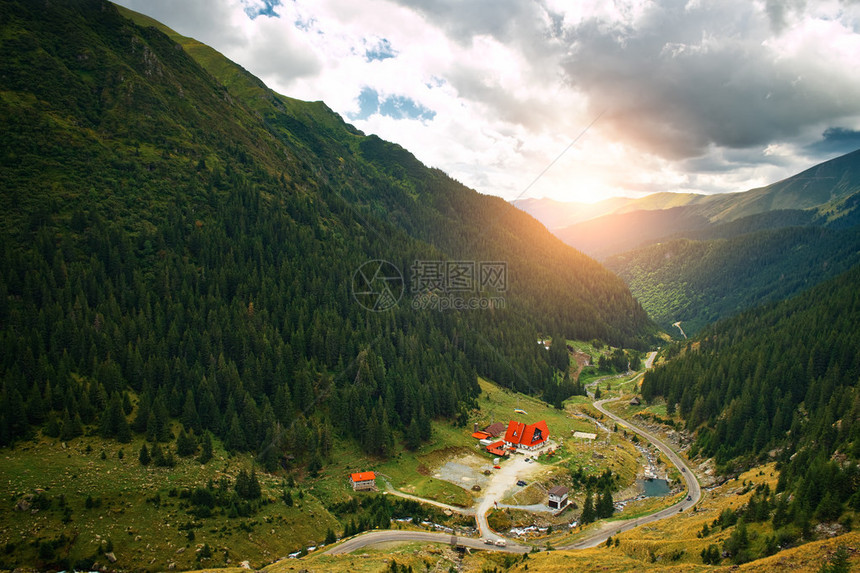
(594, 538)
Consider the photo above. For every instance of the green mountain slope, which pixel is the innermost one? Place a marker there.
(180, 250)
(820, 195)
(699, 282)
(782, 381)
(175, 231)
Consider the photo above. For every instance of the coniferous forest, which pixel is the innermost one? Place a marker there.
(180, 243)
(778, 382)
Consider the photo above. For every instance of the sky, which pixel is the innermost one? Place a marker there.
(575, 100)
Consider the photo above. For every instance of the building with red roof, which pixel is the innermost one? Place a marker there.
(526, 436)
(363, 480)
(497, 448)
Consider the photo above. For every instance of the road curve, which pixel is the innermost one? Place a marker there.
(694, 491)
(387, 536)
(605, 529)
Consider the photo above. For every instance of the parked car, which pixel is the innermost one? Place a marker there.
(521, 483)
(488, 541)
(501, 543)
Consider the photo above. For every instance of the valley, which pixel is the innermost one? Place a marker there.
(237, 332)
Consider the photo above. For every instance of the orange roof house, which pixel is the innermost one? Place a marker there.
(497, 448)
(480, 435)
(363, 480)
(527, 436)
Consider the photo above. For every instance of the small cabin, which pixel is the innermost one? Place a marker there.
(496, 429)
(558, 497)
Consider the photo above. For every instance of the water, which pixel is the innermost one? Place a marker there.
(655, 487)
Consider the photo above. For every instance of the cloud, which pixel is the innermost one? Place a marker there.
(835, 141)
(379, 49)
(695, 95)
(264, 8)
(688, 77)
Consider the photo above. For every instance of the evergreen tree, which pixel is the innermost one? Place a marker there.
(205, 448)
(605, 506)
(143, 457)
(190, 417)
(588, 512)
(186, 444)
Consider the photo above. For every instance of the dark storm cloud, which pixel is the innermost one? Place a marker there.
(835, 141)
(681, 79)
(505, 20)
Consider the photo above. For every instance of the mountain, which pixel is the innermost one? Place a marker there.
(177, 233)
(702, 258)
(559, 214)
(699, 282)
(779, 381)
(556, 214)
(621, 232)
(822, 194)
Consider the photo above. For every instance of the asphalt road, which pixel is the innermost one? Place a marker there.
(605, 530)
(614, 527)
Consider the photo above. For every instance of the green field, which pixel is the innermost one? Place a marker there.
(136, 511)
(139, 515)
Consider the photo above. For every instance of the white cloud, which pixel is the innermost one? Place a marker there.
(696, 96)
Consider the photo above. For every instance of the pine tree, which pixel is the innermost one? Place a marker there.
(235, 436)
(205, 448)
(413, 435)
(605, 506)
(588, 513)
(186, 445)
(190, 418)
(158, 455)
(143, 457)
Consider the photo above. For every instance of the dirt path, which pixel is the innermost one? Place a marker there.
(389, 489)
(513, 469)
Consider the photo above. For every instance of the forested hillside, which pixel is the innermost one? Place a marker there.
(700, 282)
(779, 381)
(179, 242)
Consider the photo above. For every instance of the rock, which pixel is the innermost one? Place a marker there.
(23, 505)
(171, 566)
(110, 557)
(137, 537)
(245, 564)
(180, 550)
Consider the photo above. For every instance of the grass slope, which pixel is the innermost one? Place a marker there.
(700, 282)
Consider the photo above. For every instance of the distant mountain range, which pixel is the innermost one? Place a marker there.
(823, 194)
(697, 258)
